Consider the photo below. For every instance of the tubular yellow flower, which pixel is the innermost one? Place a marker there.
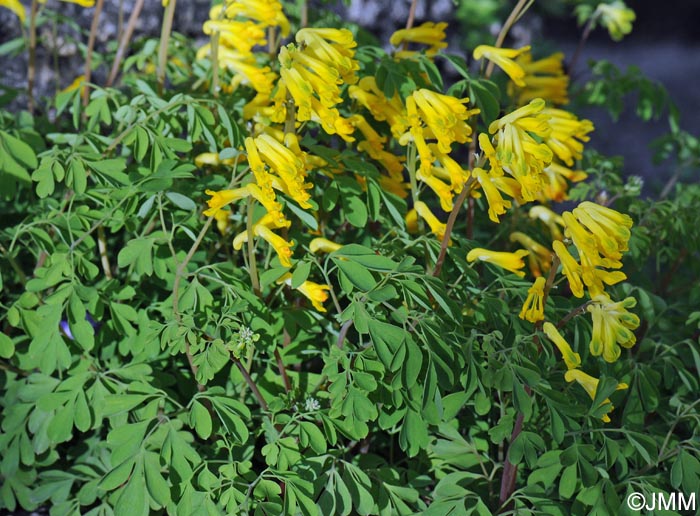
(323, 245)
(265, 12)
(571, 359)
(281, 246)
(437, 227)
(222, 198)
(617, 18)
(590, 385)
(456, 174)
(556, 185)
(441, 189)
(503, 58)
(445, 116)
(533, 308)
(539, 259)
(497, 205)
(570, 267)
(612, 325)
(512, 262)
(81, 3)
(429, 33)
(316, 293)
(551, 219)
(606, 224)
(334, 47)
(15, 7)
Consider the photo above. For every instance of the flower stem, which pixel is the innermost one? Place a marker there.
(124, 41)
(166, 29)
(451, 224)
(515, 14)
(252, 264)
(90, 49)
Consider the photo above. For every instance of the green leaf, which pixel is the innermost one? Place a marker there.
(211, 361)
(389, 343)
(366, 257)
(200, 419)
(300, 274)
(118, 475)
(567, 482)
(133, 500)
(358, 275)
(7, 346)
(138, 252)
(181, 201)
(156, 485)
(486, 96)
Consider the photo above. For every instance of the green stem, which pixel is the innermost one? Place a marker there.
(31, 69)
(90, 48)
(166, 29)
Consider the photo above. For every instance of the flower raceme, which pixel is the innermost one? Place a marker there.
(617, 18)
(512, 262)
(612, 325)
(544, 78)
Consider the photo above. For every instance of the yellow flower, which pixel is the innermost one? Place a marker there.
(323, 245)
(437, 227)
(212, 159)
(512, 262)
(266, 12)
(551, 219)
(316, 293)
(503, 58)
(334, 47)
(533, 308)
(570, 267)
(445, 117)
(497, 205)
(367, 94)
(281, 246)
(610, 228)
(571, 359)
(544, 78)
(539, 259)
(454, 172)
(617, 18)
(612, 325)
(287, 164)
(590, 385)
(15, 7)
(77, 84)
(429, 33)
(222, 198)
(441, 189)
(566, 132)
(235, 34)
(517, 151)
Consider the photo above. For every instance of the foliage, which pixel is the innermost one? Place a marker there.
(363, 347)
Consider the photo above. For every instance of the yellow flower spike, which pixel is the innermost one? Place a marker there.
(539, 259)
(509, 186)
(445, 116)
(503, 58)
(316, 293)
(571, 359)
(490, 153)
(533, 308)
(497, 205)
(551, 219)
(512, 262)
(617, 18)
(570, 268)
(438, 228)
(590, 385)
(333, 47)
(612, 326)
(281, 246)
(429, 33)
(557, 186)
(533, 108)
(16, 7)
(323, 245)
(222, 198)
(583, 240)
